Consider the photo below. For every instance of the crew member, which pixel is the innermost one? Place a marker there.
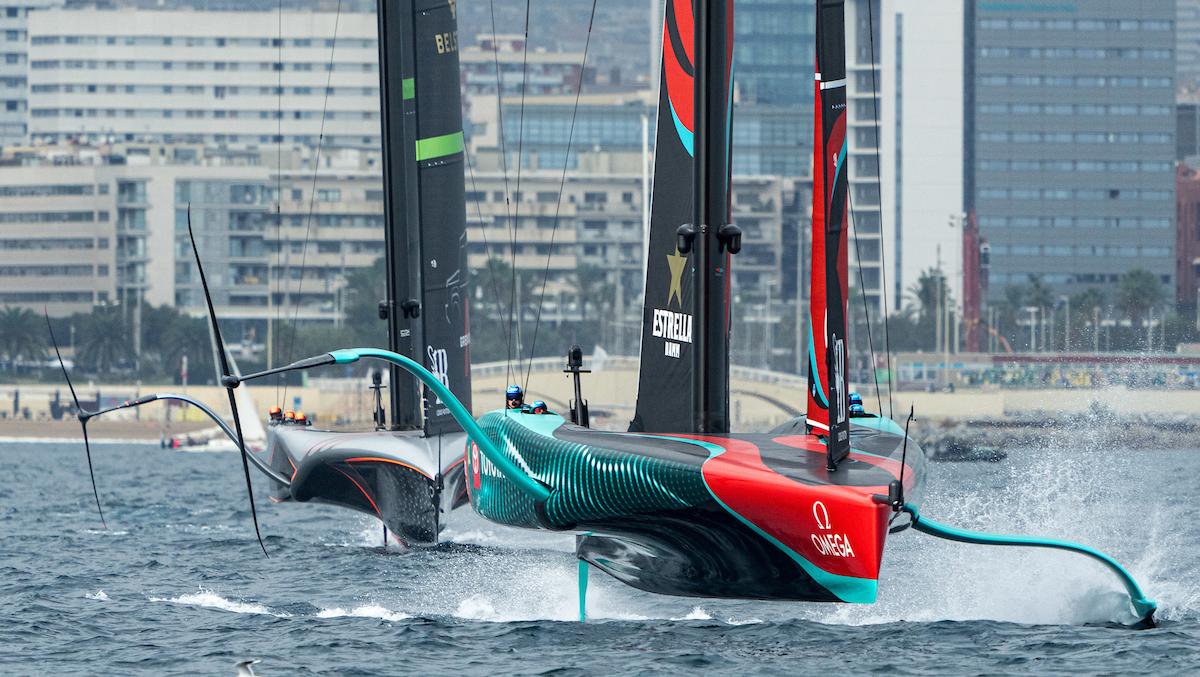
(539, 407)
(515, 398)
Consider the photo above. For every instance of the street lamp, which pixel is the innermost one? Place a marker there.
(1067, 339)
(1032, 310)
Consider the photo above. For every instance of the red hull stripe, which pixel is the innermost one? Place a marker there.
(836, 533)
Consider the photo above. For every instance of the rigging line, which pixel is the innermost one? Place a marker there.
(561, 186)
(504, 170)
(887, 337)
(862, 290)
(279, 178)
(312, 198)
(487, 248)
(514, 306)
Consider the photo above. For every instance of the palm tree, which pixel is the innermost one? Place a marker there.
(102, 341)
(22, 334)
(1085, 307)
(591, 286)
(1140, 293)
(927, 292)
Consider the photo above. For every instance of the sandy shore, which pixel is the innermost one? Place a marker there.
(99, 429)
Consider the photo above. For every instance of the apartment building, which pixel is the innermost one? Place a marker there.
(14, 64)
(59, 247)
(1070, 123)
(238, 79)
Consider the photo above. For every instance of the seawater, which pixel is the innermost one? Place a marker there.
(177, 584)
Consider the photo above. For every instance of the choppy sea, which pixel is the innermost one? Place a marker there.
(177, 584)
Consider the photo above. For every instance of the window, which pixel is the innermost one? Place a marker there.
(329, 195)
(595, 197)
(329, 247)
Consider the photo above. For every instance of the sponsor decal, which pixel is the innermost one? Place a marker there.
(676, 263)
(672, 349)
(446, 42)
(484, 466)
(672, 326)
(474, 459)
(439, 365)
(826, 543)
(839, 379)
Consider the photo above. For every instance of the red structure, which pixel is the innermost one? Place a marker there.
(1187, 234)
(975, 281)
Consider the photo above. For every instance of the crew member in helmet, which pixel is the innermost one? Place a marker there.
(515, 398)
(539, 407)
(856, 407)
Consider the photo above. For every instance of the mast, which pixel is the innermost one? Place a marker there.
(424, 207)
(828, 392)
(710, 380)
(685, 341)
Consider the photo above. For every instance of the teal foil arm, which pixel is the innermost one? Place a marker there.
(535, 489)
(1144, 607)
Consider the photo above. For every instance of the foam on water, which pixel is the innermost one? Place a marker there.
(98, 595)
(696, 614)
(368, 611)
(207, 598)
(1095, 498)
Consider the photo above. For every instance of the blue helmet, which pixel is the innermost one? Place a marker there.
(857, 409)
(514, 392)
(538, 404)
(855, 398)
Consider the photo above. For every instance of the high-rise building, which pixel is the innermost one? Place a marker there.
(217, 78)
(1187, 41)
(864, 56)
(1070, 122)
(14, 88)
(920, 89)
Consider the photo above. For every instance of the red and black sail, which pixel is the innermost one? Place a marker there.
(674, 327)
(828, 396)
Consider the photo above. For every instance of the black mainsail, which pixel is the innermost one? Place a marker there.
(425, 208)
(685, 348)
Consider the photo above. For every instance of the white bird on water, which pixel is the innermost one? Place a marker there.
(246, 668)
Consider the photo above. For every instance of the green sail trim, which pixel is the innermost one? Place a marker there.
(409, 88)
(439, 146)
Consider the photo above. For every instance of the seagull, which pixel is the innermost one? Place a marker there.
(245, 668)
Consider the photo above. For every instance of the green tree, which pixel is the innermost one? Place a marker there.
(365, 288)
(927, 292)
(1140, 293)
(22, 334)
(101, 340)
(1083, 312)
(591, 286)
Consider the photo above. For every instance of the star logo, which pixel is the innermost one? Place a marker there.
(676, 262)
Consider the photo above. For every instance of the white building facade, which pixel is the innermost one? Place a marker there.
(216, 78)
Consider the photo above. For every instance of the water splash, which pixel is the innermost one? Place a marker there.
(368, 611)
(98, 595)
(210, 599)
